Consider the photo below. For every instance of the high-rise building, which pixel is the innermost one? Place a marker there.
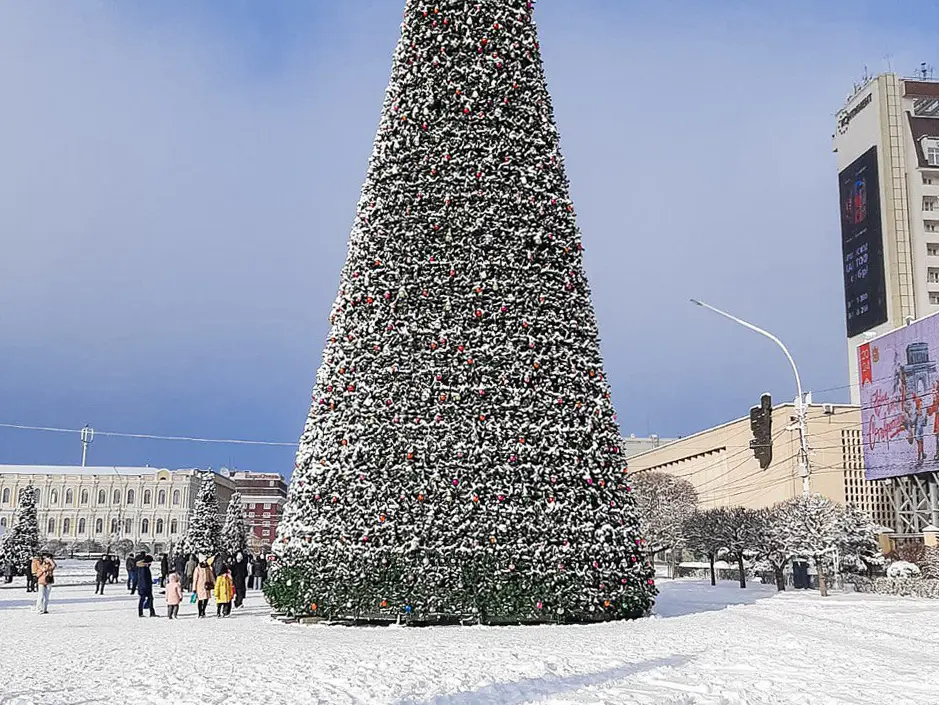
(887, 146)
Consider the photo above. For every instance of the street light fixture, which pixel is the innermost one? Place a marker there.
(804, 469)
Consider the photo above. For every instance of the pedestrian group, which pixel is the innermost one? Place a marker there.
(223, 577)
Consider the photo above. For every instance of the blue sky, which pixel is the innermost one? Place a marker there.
(178, 181)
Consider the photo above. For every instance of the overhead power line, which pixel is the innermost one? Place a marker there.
(150, 436)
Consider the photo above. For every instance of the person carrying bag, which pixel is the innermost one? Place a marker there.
(203, 580)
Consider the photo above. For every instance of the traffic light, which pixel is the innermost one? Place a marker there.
(761, 424)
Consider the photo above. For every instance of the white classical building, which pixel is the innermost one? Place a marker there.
(147, 506)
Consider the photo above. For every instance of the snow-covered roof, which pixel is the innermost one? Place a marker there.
(76, 470)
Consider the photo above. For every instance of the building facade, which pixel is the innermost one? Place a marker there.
(634, 445)
(264, 495)
(722, 467)
(887, 145)
(150, 507)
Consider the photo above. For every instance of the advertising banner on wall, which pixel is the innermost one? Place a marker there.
(900, 401)
(865, 288)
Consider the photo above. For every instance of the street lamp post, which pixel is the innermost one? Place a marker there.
(804, 469)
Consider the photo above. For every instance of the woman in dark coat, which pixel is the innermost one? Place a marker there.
(239, 576)
(145, 586)
(179, 567)
(164, 569)
(260, 572)
(219, 563)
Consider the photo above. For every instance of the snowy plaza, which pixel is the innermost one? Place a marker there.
(704, 646)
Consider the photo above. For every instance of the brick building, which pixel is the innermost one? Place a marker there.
(264, 495)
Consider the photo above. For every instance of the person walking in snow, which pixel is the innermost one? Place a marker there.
(131, 566)
(219, 563)
(191, 566)
(224, 592)
(8, 571)
(174, 596)
(260, 572)
(164, 569)
(179, 566)
(145, 586)
(102, 571)
(115, 568)
(204, 582)
(239, 575)
(31, 582)
(43, 567)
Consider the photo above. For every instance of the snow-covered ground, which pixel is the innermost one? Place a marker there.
(706, 646)
(68, 572)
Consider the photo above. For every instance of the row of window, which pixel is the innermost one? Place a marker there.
(159, 525)
(102, 497)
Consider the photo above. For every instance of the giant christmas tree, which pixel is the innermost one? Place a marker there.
(461, 453)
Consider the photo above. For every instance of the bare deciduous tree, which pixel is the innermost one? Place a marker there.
(736, 534)
(770, 542)
(665, 502)
(701, 535)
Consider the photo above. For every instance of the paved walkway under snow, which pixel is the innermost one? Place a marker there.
(706, 646)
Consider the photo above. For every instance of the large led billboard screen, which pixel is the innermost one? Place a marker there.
(862, 244)
(900, 401)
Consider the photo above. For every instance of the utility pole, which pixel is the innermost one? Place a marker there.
(88, 435)
(804, 468)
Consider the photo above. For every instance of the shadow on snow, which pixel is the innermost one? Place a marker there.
(529, 689)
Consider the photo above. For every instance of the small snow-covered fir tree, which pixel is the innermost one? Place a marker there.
(203, 536)
(235, 531)
(665, 502)
(814, 530)
(462, 454)
(930, 563)
(859, 549)
(22, 542)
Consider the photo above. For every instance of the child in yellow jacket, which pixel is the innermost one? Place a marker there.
(224, 592)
